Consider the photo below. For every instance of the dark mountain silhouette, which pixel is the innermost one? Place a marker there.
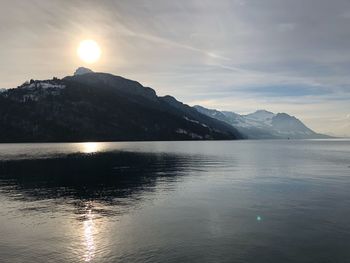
(100, 107)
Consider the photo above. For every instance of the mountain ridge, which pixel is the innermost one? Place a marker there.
(100, 107)
(263, 124)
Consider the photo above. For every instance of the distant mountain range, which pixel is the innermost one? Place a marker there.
(100, 107)
(91, 106)
(263, 124)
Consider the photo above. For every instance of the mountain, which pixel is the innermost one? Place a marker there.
(100, 107)
(263, 124)
(82, 71)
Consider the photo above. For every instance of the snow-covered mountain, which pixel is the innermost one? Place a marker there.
(263, 124)
(82, 71)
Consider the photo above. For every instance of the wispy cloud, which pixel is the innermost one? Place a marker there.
(235, 55)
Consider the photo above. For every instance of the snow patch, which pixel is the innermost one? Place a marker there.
(43, 85)
(194, 121)
(191, 134)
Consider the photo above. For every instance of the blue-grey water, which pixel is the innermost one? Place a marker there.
(226, 201)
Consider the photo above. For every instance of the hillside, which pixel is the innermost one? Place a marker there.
(100, 107)
(263, 124)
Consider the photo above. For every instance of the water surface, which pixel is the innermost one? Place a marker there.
(226, 201)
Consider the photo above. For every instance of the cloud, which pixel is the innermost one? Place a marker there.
(238, 55)
(285, 27)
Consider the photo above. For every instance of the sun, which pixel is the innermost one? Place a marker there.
(89, 51)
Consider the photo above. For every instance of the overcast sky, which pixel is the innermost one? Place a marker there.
(239, 55)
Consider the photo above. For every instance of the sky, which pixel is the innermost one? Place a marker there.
(237, 55)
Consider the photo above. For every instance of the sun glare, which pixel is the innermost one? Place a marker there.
(89, 51)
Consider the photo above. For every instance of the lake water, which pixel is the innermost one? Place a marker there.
(224, 201)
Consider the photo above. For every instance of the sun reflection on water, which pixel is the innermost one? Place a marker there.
(91, 147)
(89, 237)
